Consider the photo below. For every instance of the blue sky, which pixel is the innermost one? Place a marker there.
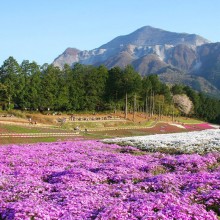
(40, 30)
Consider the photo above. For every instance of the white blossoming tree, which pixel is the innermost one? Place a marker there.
(183, 103)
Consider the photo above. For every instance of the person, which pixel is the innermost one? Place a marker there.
(76, 128)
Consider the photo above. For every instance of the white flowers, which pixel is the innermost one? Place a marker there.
(188, 142)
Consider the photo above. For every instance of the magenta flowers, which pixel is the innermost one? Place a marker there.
(93, 180)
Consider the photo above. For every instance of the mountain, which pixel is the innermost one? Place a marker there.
(209, 63)
(144, 41)
(188, 58)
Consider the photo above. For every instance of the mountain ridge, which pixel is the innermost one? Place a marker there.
(143, 36)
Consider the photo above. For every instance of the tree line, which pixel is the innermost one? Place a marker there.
(29, 86)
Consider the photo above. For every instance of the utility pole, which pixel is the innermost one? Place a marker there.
(153, 103)
(162, 108)
(116, 100)
(146, 110)
(159, 113)
(150, 102)
(9, 102)
(126, 105)
(134, 107)
(172, 110)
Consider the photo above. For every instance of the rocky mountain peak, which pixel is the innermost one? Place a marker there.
(71, 51)
(69, 56)
(150, 36)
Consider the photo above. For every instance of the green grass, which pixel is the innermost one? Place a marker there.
(20, 129)
(190, 121)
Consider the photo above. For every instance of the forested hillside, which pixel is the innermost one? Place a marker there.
(29, 86)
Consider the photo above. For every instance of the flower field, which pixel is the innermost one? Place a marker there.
(94, 180)
(198, 126)
(200, 142)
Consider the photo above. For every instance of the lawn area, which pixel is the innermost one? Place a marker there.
(18, 129)
(32, 134)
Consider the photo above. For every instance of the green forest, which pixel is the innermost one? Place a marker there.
(29, 86)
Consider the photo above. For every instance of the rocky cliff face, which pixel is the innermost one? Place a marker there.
(155, 51)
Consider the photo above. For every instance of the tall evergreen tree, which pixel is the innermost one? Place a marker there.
(9, 73)
(50, 88)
